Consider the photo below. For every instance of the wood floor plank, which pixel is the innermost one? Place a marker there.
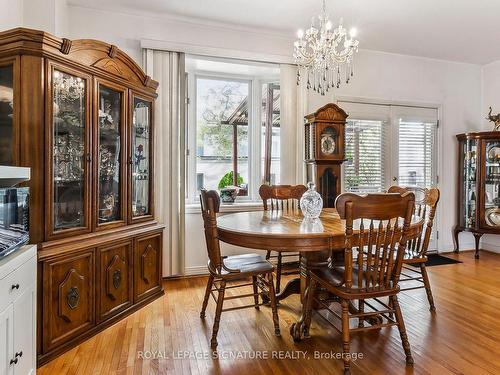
(462, 337)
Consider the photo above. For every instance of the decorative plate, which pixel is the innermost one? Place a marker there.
(492, 216)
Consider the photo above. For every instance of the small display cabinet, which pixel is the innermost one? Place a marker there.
(80, 115)
(478, 186)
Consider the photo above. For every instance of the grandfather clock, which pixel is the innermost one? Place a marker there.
(324, 150)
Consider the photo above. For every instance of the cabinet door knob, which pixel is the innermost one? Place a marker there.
(14, 361)
(19, 354)
(15, 286)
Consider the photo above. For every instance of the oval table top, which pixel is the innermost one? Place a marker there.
(288, 231)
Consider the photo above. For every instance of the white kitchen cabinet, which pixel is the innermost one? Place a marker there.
(18, 312)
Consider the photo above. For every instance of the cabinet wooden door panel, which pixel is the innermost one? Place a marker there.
(147, 266)
(114, 283)
(68, 287)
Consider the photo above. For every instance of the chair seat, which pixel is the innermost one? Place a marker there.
(332, 278)
(247, 264)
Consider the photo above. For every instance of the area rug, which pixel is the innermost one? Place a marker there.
(439, 260)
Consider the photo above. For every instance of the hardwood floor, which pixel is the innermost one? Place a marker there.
(462, 337)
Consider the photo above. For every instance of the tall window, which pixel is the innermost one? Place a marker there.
(222, 133)
(233, 136)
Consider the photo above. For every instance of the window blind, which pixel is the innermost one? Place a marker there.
(364, 169)
(416, 149)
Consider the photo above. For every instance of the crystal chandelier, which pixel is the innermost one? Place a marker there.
(325, 55)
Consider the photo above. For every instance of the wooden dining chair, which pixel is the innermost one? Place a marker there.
(282, 197)
(372, 264)
(415, 256)
(224, 270)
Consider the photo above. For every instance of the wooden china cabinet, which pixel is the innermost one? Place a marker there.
(80, 114)
(324, 150)
(478, 185)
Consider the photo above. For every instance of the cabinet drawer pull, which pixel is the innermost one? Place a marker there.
(19, 354)
(15, 286)
(14, 361)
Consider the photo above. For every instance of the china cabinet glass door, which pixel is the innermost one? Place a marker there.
(70, 157)
(7, 142)
(492, 184)
(141, 157)
(468, 197)
(110, 152)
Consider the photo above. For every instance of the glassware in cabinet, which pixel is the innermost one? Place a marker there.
(110, 150)
(141, 157)
(469, 191)
(69, 150)
(492, 183)
(7, 143)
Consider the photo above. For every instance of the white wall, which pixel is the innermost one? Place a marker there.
(11, 14)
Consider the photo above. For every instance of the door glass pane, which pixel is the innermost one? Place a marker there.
(141, 158)
(6, 115)
(69, 118)
(492, 184)
(109, 185)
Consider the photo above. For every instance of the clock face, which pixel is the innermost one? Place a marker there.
(327, 144)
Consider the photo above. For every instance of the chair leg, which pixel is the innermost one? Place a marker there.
(274, 308)
(345, 337)
(268, 254)
(218, 311)
(361, 309)
(402, 330)
(427, 284)
(278, 272)
(255, 292)
(210, 283)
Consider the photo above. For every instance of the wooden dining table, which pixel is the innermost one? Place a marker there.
(288, 231)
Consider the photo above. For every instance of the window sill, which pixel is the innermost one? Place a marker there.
(195, 208)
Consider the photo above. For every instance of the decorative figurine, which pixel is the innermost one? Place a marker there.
(495, 119)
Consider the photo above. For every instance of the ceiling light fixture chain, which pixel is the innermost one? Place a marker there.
(324, 55)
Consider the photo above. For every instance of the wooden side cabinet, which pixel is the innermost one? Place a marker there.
(18, 312)
(114, 282)
(69, 310)
(147, 266)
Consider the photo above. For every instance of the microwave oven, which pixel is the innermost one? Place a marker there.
(14, 219)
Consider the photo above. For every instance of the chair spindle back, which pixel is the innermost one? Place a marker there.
(281, 197)
(426, 201)
(381, 237)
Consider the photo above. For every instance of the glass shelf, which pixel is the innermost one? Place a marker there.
(6, 115)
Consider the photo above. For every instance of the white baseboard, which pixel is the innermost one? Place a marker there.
(196, 270)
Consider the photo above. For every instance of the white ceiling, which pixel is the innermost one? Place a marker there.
(457, 30)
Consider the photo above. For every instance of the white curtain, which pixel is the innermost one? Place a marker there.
(293, 109)
(167, 68)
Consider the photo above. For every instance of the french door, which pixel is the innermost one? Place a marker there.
(390, 145)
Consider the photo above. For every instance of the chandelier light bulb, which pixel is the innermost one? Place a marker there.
(300, 33)
(353, 32)
(328, 25)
